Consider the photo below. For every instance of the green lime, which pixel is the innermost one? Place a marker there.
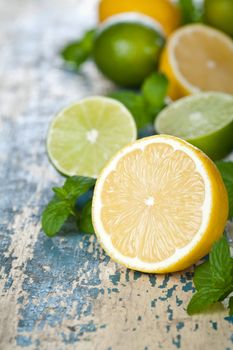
(85, 135)
(127, 48)
(219, 14)
(204, 119)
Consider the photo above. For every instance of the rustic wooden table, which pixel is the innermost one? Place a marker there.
(65, 293)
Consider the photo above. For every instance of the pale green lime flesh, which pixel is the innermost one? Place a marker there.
(85, 135)
(204, 119)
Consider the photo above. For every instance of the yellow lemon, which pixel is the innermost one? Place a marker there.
(198, 58)
(163, 11)
(159, 205)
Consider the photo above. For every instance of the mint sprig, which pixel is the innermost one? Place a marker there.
(77, 52)
(191, 11)
(146, 103)
(85, 220)
(213, 279)
(62, 205)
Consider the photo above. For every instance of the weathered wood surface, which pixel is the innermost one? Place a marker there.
(65, 293)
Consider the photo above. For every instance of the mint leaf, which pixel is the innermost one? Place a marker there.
(79, 51)
(221, 264)
(202, 276)
(85, 220)
(203, 299)
(54, 216)
(76, 186)
(230, 306)
(226, 170)
(135, 104)
(63, 203)
(190, 11)
(154, 91)
(214, 278)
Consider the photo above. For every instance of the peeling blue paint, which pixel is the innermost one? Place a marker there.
(153, 302)
(179, 325)
(214, 325)
(168, 327)
(188, 287)
(169, 293)
(178, 301)
(127, 275)
(177, 341)
(170, 313)
(152, 279)
(115, 279)
(8, 283)
(137, 275)
(165, 282)
(72, 270)
(23, 341)
(229, 319)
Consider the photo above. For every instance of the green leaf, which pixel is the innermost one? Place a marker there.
(60, 192)
(76, 186)
(202, 276)
(154, 91)
(79, 51)
(230, 306)
(62, 204)
(226, 170)
(190, 11)
(85, 221)
(134, 102)
(221, 264)
(54, 216)
(203, 299)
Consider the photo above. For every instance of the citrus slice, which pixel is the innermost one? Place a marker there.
(204, 119)
(163, 11)
(85, 135)
(198, 58)
(159, 205)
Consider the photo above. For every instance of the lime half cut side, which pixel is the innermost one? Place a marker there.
(86, 134)
(203, 119)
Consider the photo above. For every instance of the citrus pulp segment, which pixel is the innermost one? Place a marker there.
(85, 135)
(159, 205)
(198, 58)
(204, 119)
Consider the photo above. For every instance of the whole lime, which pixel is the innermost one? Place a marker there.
(219, 14)
(127, 48)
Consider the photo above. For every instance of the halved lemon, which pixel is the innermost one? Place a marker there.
(159, 205)
(198, 58)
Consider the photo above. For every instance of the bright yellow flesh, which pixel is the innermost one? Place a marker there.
(198, 57)
(151, 203)
(154, 184)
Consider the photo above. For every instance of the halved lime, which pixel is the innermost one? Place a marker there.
(203, 119)
(86, 134)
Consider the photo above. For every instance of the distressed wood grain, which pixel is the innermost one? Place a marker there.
(65, 293)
